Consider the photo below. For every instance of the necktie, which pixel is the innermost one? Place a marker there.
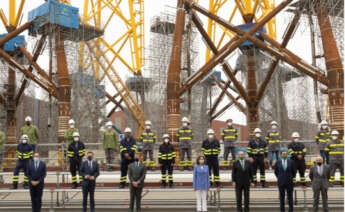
(242, 163)
(36, 165)
(284, 165)
(90, 164)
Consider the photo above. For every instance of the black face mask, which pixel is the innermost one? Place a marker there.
(28, 123)
(136, 159)
(319, 164)
(89, 158)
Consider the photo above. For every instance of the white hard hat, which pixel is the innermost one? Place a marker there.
(185, 119)
(274, 123)
(295, 135)
(76, 134)
(109, 123)
(335, 132)
(148, 122)
(28, 118)
(71, 121)
(128, 130)
(25, 137)
(210, 131)
(323, 122)
(165, 136)
(257, 130)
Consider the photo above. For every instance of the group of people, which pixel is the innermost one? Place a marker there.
(244, 172)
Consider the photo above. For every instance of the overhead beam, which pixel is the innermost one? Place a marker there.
(277, 50)
(233, 44)
(224, 109)
(239, 105)
(37, 52)
(291, 28)
(226, 67)
(11, 61)
(14, 33)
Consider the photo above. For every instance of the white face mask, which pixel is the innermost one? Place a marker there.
(258, 135)
(296, 139)
(148, 127)
(210, 137)
(36, 159)
(71, 126)
(76, 138)
(109, 127)
(185, 124)
(324, 127)
(334, 137)
(229, 124)
(274, 127)
(166, 140)
(24, 141)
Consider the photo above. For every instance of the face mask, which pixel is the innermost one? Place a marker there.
(334, 137)
(89, 158)
(109, 127)
(201, 161)
(36, 159)
(148, 127)
(28, 123)
(127, 135)
(25, 141)
(229, 124)
(257, 135)
(136, 159)
(210, 137)
(274, 127)
(71, 126)
(324, 127)
(185, 124)
(166, 140)
(295, 139)
(319, 164)
(284, 156)
(76, 138)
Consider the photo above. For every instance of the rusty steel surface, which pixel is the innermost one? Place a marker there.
(174, 70)
(335, 71)
(64, 87)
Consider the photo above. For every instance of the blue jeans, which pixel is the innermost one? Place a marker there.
(324, 155)
(273, 156)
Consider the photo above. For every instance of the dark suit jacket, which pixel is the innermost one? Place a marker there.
(320, 181)
(137, 173)
(85, 170)
(37, 174)
(285, 177)
(242, 177)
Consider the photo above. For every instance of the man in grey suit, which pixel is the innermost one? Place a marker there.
(319, 175)
(136, 175)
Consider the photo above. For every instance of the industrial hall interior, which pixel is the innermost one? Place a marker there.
(166, 105)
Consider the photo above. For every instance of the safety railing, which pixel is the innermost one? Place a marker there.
(58, 198)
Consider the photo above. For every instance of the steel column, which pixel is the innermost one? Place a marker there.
(64, 87)
(174, 70)
(335, 71)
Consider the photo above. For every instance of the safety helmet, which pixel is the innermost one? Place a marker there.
(71, 121)
(109, 123)
(25, 137)
(185, 119)
(295, 135)
(148, 122)
(128, 130)
(76, 134)
(165, 136)
(274, 123)
(335, 132)
(210, 131)
(28, 118)
(257, 130)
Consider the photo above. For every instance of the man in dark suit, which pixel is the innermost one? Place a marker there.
(36, 171)
(319, 175)
(285, 172)
(242, 179)
(90, 171)
(136, 175)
